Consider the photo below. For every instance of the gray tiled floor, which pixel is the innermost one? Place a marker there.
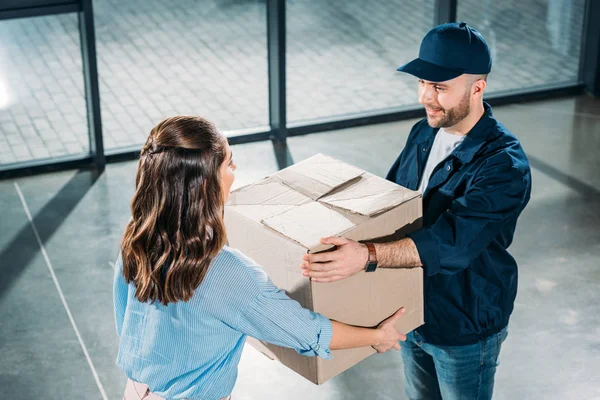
(208, 57)
(553, 350)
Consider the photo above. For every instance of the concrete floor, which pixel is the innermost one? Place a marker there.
(57, 335)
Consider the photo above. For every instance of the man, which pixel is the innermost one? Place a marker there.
(475, 180)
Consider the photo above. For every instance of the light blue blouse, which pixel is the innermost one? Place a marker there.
(191, 350)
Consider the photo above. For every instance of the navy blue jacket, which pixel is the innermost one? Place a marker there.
(470, 211)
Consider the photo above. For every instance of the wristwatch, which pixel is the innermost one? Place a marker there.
(372, 262)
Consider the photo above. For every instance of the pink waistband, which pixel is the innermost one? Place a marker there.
(140, 391)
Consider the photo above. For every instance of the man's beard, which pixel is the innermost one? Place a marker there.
(452, 116)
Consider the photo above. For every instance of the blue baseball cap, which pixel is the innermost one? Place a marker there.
(448, 51)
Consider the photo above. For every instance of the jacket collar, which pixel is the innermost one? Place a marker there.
(473, 140)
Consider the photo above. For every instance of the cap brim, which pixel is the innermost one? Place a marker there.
(428, 71)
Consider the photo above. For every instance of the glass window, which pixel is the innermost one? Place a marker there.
(343, 54)
(533, 43)
(42, 103)
(162, 58)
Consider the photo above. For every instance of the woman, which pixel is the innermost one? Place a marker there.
(184, 301)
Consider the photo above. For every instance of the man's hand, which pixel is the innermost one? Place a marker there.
(349, 258)
(389, 335)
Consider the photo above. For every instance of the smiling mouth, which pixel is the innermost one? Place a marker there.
(432, 110)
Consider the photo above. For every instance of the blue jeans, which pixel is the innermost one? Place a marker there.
(451, 372)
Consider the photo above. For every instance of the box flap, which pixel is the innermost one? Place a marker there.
(370, 196)
(268, 192)
(308, 223)
(257, 213)
(318, 175)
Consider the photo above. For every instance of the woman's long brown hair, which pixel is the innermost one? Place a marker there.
(177, 223)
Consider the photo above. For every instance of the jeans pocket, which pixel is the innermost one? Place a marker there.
(500, 337)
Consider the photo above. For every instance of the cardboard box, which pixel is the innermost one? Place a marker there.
(276, 220)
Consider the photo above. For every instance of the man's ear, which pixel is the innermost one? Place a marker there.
(478, 87)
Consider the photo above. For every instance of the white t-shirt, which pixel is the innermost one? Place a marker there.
(443, 145)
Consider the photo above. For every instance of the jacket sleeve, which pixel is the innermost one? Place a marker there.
(256, 307)
(463, 232)
(275, 318)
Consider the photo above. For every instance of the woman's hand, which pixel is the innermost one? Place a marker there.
(389, 335)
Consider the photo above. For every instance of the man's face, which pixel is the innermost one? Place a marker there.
(446, 103)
